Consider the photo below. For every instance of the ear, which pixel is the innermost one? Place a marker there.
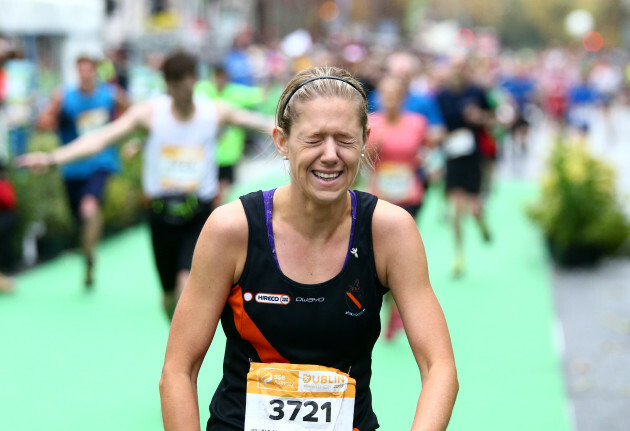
(366, 138)
(280, 141)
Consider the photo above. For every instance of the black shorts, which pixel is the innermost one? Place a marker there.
(94, 185)
(464, 173)
(226, 173)
(174, 242)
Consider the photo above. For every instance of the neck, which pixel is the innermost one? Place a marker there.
(392, 115)
(457, 87)
(311, 219)
(183, 110)
(87, 87)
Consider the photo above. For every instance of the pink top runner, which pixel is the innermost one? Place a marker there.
(397, 145)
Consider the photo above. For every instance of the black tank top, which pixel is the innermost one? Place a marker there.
(271, 318)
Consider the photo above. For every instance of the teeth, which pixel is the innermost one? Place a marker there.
(326, 176)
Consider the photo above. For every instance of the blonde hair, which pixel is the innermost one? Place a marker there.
(339, 84)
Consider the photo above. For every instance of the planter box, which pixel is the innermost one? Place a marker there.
(575, 255)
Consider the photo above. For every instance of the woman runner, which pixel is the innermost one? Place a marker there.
(297, 275)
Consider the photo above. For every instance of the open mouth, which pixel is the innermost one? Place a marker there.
(326, 176)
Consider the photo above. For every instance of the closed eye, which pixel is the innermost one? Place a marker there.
(345, 139)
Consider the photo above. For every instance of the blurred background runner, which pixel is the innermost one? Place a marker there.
(231, 144)
(74, 112)
(180, 174)
(466, 112)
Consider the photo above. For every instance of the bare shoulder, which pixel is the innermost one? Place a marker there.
(392, 222)
(228, 221)
(397, 243)
(56, 99)
(223, 241)
(57, 95)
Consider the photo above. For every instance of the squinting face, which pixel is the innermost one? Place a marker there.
(181, 91)
(324, 148)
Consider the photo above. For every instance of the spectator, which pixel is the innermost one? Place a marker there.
(8, 223)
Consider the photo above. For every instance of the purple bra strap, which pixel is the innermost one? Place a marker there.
(268, 202)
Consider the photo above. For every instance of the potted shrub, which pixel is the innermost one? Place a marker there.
(122, 206)
(42, 198)
(578, 208)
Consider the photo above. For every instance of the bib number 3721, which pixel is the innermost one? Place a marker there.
(309, 413)
(293, 397)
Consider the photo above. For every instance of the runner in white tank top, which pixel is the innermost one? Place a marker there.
(180, 173)
(179, 156)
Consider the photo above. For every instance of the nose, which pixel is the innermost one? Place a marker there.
(329, 150)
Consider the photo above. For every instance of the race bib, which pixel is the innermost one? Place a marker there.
(91, 120)
(181, 168)
(459, 143)
(296, 397)
(395, 181)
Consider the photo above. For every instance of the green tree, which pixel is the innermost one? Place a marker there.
(534, 22)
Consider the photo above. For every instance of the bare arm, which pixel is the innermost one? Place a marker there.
(229, 115)
(217, 264)
(479, 116)
(91, 143)
(435, 135)
(402, 266)
(49, 118)
(122, 101)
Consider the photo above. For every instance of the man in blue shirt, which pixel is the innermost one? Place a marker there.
(73, 112)
(237, 63)
(522, 89)
(583, 98)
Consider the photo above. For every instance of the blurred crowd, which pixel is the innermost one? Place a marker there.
(437, 120)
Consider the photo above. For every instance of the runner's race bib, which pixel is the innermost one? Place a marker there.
(395, 182)
(296, 397)
(181, 168)
(91, 120)
(459, 143)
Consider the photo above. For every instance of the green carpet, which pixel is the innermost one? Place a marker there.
(500, 316)
(91, 361)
